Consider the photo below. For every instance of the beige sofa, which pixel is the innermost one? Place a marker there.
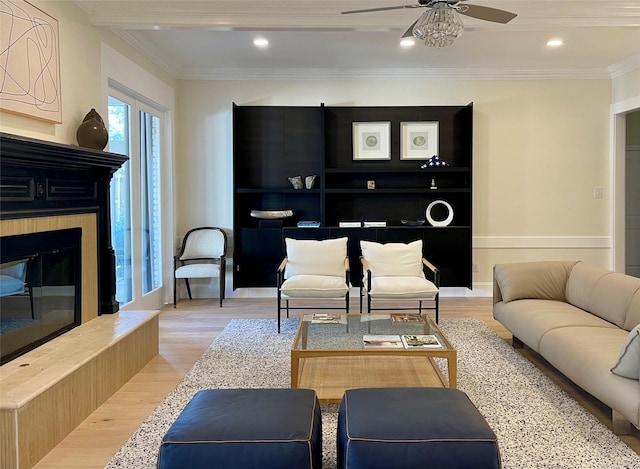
(583, 320)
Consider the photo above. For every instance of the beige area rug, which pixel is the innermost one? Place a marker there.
(538, 425)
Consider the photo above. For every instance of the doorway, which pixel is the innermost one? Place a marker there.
(632, 194)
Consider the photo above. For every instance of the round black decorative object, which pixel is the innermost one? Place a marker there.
(92, 133)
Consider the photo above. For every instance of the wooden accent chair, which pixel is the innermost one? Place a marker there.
(202, 255)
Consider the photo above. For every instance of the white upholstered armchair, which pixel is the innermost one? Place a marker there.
(394, 272)
(313, 269)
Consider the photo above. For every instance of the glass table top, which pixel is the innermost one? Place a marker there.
(325, 332)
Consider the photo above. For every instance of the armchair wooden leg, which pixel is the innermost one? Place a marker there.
(420, 307)
(360, 299)
(186, 281)
(347, 303)
(437, 308)
(279, 307)
(222, 285)
(174, 291)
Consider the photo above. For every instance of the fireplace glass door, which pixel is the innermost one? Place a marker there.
(39, 289)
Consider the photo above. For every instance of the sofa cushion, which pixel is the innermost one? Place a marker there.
(403, 287)
(628, 363)
(633, 312)
(602, 292)
(533, 280)
(530, 320)
(393, 259)
(313, 257)
(584, 355)
(314, 286)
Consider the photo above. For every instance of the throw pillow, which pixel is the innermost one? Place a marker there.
(313, 257)
(393, 259)
(628, 364)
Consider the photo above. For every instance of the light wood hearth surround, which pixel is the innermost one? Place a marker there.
(46, 393)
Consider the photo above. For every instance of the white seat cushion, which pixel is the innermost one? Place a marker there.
(314, 286)
(313, 257)
(393, 259)
(402, 287)
(198, 271)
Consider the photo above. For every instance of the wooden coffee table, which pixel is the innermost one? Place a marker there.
(332, 357)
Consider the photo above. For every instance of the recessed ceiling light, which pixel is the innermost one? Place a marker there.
(260, 42)
(554, 42)
(407, 42)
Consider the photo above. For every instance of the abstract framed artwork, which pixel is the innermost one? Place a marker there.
(371, 140)
(419, 140)
(30, 57)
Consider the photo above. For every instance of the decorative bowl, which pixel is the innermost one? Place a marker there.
(412, 222)
(271, 214)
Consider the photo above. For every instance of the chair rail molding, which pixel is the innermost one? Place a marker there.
(542, 242)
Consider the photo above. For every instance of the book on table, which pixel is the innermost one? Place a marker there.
(404, 317)
(382, 341)
(328, 318)
(420, 341)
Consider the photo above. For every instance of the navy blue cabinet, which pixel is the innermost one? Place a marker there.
(274, 143)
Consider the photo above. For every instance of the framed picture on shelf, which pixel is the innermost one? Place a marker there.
(371, 141)
(419, 140)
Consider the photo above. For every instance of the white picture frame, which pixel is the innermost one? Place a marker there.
(419, 140)
(30, 63)
(371, 141)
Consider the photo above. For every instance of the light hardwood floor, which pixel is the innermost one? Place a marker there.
(186, 332)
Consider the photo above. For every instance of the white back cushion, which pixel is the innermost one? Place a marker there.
(393, 259)
(313, 257)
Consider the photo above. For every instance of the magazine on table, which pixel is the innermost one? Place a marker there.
(328, 318)
(404, 317)
(420, 341)
(382, 341)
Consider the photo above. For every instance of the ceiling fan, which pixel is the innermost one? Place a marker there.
(440, 25)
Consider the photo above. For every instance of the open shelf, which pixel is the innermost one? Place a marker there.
(273, 143)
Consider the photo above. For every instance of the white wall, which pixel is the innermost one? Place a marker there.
(80, 75)
(540, 149)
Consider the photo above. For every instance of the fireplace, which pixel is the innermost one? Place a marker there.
(40, 289)
(56, 259)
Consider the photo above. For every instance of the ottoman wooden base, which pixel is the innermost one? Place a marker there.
(246, 428)
(413, 427)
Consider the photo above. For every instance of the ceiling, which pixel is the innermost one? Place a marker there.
(308, 39)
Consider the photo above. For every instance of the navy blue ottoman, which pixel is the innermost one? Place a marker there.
(246, 428)
(413, 427)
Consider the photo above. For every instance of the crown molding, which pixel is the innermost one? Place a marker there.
(151, 52)
(625, 66)
(397, 74)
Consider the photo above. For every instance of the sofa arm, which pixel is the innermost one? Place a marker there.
(497, 294)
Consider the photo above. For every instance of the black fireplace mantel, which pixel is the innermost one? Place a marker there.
(40, 178)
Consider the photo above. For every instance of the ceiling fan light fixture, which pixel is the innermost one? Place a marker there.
(439, 26)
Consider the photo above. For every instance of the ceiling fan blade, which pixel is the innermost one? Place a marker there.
(486, 13)
(409, 32)
(367, 10)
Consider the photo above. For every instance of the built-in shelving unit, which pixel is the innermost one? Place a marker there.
(273, 143)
